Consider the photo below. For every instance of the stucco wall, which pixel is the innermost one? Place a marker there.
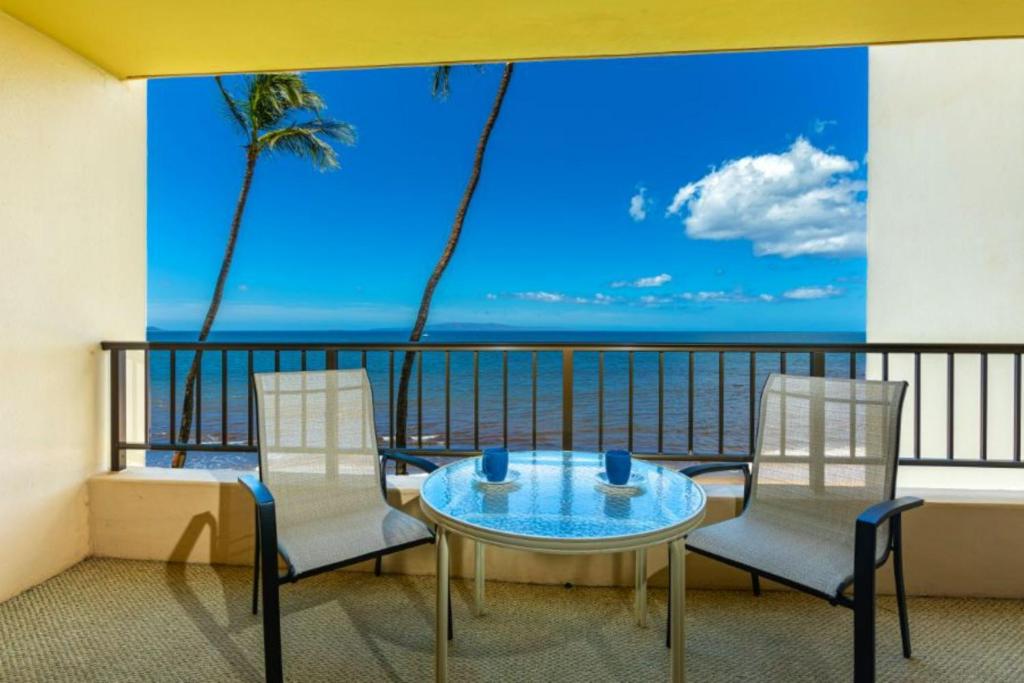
(946, 230)
(72, 272)
(206, 516)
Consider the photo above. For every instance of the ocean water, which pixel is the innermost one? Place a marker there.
(427, 419)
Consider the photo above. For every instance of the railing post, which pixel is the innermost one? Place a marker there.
(567, 386)
(817, 363)
(118, 407)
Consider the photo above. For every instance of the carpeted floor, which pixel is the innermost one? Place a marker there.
(113, 620)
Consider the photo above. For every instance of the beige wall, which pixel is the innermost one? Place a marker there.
(957, 544)
(206, 516)
(72, 272)
(946, 231)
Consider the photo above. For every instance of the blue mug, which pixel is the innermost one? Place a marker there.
(617, 465)
(495, 464)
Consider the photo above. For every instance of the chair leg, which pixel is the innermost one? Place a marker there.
(256, 571)
(272, 659)
(864, 604)
(863, 639)
(271, 584)
(755, 583)
(901, 592)
(376, 566)
(271, 634)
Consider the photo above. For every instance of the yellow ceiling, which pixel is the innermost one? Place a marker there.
(133, 38)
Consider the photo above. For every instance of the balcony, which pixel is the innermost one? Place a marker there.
(673, 403)
(118, 568)
(670, 403)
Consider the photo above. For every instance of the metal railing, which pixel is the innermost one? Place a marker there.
(687, 401)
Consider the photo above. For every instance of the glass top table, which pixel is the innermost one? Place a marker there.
(554, 502)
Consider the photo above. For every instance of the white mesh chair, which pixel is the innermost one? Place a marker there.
(819, 511)
(320, 501)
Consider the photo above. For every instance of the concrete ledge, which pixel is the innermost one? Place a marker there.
(961, 543)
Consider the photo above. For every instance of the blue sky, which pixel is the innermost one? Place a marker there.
(712, 192)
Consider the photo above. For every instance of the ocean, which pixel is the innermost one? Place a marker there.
(675, 408)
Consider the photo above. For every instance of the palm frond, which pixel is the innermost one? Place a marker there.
(234, 108)
(273, 97)
(343, 132)
(441, 86)
(309, 140)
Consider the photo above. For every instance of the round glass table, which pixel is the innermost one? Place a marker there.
(556, 502)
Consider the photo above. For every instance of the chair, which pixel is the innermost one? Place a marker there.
(819, 511)
(320, 497)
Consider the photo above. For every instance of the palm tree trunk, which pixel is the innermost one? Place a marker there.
(402, 409)
(188, 402)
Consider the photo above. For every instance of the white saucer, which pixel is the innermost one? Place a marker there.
(510, 477)
(635, 480)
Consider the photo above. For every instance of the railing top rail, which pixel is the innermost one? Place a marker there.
(757, 347)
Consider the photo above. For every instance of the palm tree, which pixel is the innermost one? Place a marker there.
(441, 90)
(267, 115)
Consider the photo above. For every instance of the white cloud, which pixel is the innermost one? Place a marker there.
(805, 293)
(820, 125)
(654, 281)
(795, 203)
(651, 301)
(643, 282)
(546, 297)
(243, 287)
(720, 296)
(638, 204)
(559, 298)
(680, 299)
(491, 296)
(702, 297)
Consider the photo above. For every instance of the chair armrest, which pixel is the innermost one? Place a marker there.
(266, 515)
(865, 543)
(879, 513)
(420, 463)
(266, 525)
(707, 467)
(258, 490)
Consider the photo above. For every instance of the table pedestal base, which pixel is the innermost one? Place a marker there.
(640, 588)
(478, 579)
(441, 608)
(677, 602)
